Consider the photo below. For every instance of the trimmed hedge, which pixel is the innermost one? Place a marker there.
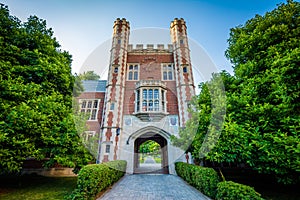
(231, 190)
(202, 178)
(207, 181)
(92, 179)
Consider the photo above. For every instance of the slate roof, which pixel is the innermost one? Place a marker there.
(94, 86)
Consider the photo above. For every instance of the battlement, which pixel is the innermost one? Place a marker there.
(150, 48)
(120, 22)
(178, 22)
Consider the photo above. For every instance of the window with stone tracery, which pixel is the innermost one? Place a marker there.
(167, 72)
(150, 99)
(90, 106)
(133, 72)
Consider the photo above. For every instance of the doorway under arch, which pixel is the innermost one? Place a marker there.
(163, 143)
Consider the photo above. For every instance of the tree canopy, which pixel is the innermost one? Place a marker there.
(89, 75)
(261, 127)
(36, 85)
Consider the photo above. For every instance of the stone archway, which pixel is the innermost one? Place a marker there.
(164, 166)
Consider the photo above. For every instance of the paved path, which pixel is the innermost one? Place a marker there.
(150, 160)
(152, 187)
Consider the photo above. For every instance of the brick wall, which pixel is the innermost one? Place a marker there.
(150, 68)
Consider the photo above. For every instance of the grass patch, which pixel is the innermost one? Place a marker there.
(32, 187)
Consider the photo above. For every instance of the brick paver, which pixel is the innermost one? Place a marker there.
(152, 186)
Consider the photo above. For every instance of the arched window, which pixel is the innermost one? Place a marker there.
(156, 94)
(150, 105)
(144, 94)
(156, 105)
(150, 94)
(144, 105)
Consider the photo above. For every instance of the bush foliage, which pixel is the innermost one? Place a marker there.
(202, 178)
(207, 181)
(92, 179)
(231, 190)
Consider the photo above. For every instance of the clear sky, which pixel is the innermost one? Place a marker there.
(81, 26)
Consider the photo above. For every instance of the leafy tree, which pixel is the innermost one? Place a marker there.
(78, 87)
(261, 127)
(150, 146)
(89, 75)
(266, 57)
(36, 84)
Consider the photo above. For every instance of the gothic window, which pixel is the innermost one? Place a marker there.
(133, 72)
(150, 99)
(168, 72)
(90, 106)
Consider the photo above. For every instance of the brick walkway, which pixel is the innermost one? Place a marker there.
(152, 186)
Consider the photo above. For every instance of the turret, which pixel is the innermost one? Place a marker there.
(183, 68)
(113, 111)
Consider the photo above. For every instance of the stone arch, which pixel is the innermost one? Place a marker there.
(148, 129)
(150, 133)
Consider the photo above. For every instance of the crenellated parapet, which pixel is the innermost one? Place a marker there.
(149, 48)
(119, 24)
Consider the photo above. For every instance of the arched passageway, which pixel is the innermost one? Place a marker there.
(163, 167)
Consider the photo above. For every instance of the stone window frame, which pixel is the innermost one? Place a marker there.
(167, 72)
(133, 73)
(150, 102)
(90, 106)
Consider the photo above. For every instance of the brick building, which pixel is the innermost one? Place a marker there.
(145, 97)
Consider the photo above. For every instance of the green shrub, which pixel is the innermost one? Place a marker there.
(202, 178)
(119, 168)
(92, 179)
(231, 190)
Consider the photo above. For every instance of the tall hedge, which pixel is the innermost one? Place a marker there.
(202, 178)
(92, 179)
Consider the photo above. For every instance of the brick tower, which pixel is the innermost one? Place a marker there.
(183, 68)
(147, 95)
(113, 110)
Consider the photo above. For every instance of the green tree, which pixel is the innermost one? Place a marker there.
(261, 128)
(78, 87)
(89, 75)
(150, 146)
(266, 56)
(36, 85)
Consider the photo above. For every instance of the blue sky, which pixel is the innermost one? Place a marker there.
(81, 26)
